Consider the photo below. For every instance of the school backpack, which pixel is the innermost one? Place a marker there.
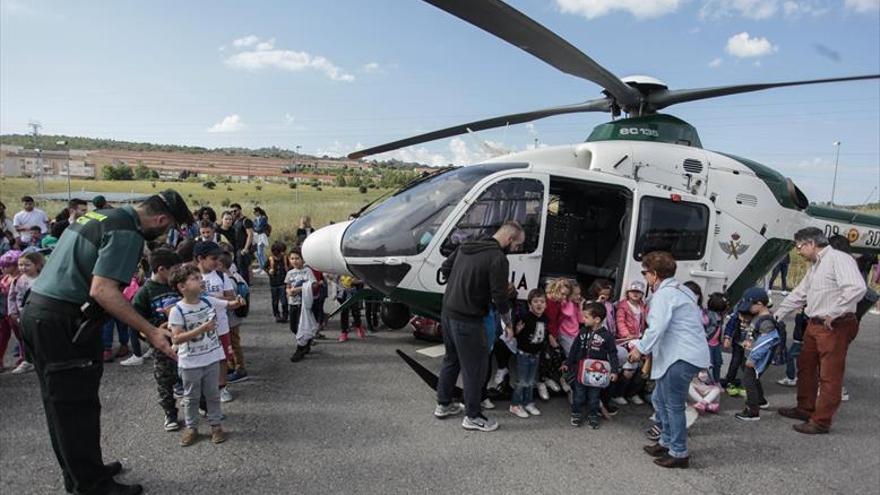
(242, 289)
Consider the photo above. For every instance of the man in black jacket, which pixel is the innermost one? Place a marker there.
(476, 276)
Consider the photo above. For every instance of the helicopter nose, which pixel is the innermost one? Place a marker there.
(322, 250)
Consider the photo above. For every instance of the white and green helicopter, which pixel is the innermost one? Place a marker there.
(591, 209)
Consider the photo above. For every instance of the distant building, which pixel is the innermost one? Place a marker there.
(17, 161)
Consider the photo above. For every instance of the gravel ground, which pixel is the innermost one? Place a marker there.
(353, 418)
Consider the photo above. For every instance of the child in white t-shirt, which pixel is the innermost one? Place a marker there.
(221, 286)
(194, 333)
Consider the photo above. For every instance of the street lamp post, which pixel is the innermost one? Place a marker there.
(836, 159)
(67, 147)
(295, 172)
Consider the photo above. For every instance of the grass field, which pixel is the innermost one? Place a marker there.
(284, 206)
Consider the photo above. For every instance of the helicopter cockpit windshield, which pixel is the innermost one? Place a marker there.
(404, 224)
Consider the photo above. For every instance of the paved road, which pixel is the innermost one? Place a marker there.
(352, 418)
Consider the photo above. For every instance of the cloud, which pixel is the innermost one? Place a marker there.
(862, 6)
(827, 52)
(743, 46)
(715, 63)
(289, 119)
(245, 41)
(802, 8)
(751, 9)
(641, 9)
(372, 67)
(230, 123)
(265, 56)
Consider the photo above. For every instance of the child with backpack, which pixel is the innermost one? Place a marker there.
(592, 365)
(153, 301)
(759, 341)
(716, 306)
(194, 322)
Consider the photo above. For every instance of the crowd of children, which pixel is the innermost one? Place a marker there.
(563, 341)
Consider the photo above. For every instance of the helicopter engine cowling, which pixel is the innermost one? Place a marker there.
(322, 250)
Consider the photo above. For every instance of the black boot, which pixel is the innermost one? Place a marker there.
(298, 355)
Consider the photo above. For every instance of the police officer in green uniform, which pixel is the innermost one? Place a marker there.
(79, 288)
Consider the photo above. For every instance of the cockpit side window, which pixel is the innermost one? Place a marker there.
(509, 199)
(681, 228)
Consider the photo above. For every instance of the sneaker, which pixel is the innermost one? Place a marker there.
(108, 356)
(742, 392)
(531, 409)
(576, 421)
(188, 437)
(362, 334)
(612, 409)
(844, 394)
(237, 376)
(122, 351)
(132, 361)
(787, 382)
(218, 435)
(748, 415)
(519, 412)
(171, 423)
(178, 391)
(487, 404)
(225, 395)
(565, 387)
(732, 390)
(542, 392)
(635, 400)
(765, 405)
(451, 410)
(148, 354)
(594, 422)
(343, 337)
(499, 376)
(480, 423)
(552, 385)
(620, 401)
(23, 368)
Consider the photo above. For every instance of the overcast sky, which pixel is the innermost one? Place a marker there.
(339, 75)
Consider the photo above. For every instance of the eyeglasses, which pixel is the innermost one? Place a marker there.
(800, 245)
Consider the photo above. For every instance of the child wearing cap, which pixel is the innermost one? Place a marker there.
(631, 314)
(759, 340)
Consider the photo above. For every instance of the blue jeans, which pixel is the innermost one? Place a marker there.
(526, 371)
(716, 360)
(669, 400)
(791, 365)
(582, 394)
(261, 256)
(107, 333)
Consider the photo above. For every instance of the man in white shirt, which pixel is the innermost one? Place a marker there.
(29, 217)
(830, 290)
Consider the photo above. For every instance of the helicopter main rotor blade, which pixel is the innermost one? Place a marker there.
(514, 27)
(599, 105)
(663, 99)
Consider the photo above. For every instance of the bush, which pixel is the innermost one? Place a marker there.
(153, 184)
(363, 189)
(209, 185)
(226, 202)
(259, 187)
(228, 187)
(291, 185)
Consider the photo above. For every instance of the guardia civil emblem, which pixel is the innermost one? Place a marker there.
(734, 247)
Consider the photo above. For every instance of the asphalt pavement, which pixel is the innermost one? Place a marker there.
(353, 418)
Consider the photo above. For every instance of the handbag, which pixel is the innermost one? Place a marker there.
(594, 373)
